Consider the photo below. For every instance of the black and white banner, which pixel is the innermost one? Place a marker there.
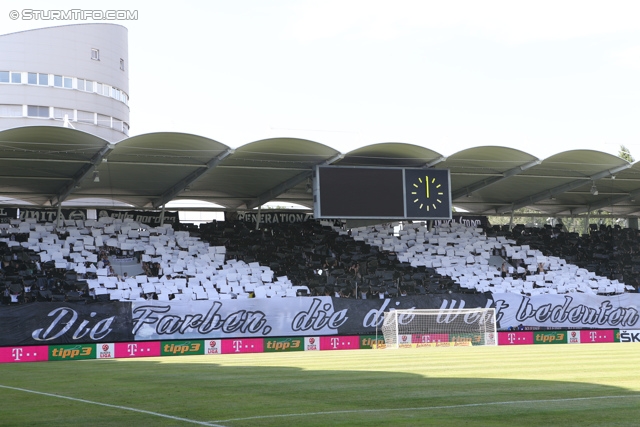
(466, 220)
(7, 214)
(278, 317)
(570, 311)
(270, 216)
(51, 215)
(59, 323)
(151, 218)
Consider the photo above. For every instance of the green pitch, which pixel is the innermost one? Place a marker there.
(581, 385)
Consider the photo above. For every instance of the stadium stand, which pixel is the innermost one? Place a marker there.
(85, 261)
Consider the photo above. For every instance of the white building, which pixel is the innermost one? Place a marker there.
(75, 76)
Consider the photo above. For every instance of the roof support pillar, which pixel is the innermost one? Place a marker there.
(258, 217)
(59, 215)
(84, 171)
(190, 179)
(162, 215)
(530, 200)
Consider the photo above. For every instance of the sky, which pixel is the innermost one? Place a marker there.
(540, 76)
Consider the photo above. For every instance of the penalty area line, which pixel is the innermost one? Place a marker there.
(126, 408)
(427, 408)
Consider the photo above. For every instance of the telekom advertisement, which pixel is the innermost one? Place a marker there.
(515, 338)
(38, 353)
(340, 343)
(245, 345)
(597, 336)
(137, 349)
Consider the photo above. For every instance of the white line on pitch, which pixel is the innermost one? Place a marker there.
(425, 408)
(157, 414)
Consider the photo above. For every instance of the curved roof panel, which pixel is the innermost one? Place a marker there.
(47, 165)
(37, 162)
(265, 170)
(543, 186)
(390, 154)
(475, 172)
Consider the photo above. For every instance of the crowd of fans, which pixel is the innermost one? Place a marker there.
(328, 261)
(612, 252)
(372, 262)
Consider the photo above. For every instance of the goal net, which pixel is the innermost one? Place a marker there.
(439, 328)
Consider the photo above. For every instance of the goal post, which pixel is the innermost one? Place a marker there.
(439, 327)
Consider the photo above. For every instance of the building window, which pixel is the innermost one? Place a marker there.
(38, 79)
(104, 120)
(86, 117)
(59, 81)
(66, 82)
(37, 111)
(122, 64)
(85, 85)
(59, 113)
(10, 110)
(95, 54)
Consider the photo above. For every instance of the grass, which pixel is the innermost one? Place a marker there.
(563, 385)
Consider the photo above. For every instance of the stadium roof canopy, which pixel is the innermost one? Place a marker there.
(45, 166)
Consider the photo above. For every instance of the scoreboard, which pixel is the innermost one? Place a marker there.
(342, 192)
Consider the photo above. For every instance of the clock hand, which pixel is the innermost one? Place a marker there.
(426, 186)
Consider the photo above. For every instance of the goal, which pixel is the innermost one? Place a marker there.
(439, 328)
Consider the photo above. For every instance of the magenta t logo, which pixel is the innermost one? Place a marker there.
(511, 338)
(237, 346)
(132, 348)
(16, 353)
(334, 342)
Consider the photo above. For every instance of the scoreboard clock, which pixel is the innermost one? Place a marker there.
(427, 193)
(382, 193)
